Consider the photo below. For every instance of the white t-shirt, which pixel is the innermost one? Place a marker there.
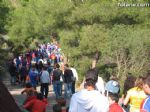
(74, 73)
(100, 85)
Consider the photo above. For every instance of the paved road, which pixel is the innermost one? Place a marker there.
(19, 98)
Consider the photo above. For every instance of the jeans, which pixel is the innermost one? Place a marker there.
(57, 87)
(67, 89)
(61, 85)
(44, 89)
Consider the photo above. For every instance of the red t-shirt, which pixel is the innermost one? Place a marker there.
(36, 105)
(115, 107)
(29, 98)
(52, 56)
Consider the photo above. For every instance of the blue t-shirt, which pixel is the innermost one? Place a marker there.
(146, 105)
(33, 77)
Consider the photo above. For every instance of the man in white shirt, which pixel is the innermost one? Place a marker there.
(89, 99)
(75, 78)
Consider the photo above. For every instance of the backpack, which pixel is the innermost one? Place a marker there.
(56, 75)
(50, 69)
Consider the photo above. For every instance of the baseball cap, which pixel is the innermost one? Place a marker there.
(112, 86)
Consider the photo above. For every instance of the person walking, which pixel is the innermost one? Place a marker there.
(74, 79)
(57, 73)
(89, 99)
(33, 75)
(45, 80)
(23, 74)
(13, 73)
(135, 96)
(68, 75)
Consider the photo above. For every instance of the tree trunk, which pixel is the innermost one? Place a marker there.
(95, 59)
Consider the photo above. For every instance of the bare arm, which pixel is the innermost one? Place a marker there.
(23, 91)
(127, 98)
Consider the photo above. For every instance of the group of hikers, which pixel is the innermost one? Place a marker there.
(59, 81)
(135, 96)
(44, 66)
(45, 54)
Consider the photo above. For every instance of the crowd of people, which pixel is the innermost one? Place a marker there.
(44, 67)
(135, 97)
(44, 55)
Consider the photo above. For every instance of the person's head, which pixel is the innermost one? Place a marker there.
(40, 63)
(66, 66)
(128, 83)
(146, 84)
(139, 82)
(57, 108)
(91, 78)
(113, 98)
(40, 96)
(57, 65)
(112, 87)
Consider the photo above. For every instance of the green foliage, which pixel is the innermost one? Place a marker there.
(4, 10)
(120, 34)
(36, 19)
(5, 53)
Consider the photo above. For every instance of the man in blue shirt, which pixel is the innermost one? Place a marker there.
(33, 74)
(145, 107)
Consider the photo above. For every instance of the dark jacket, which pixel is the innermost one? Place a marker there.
(68, 75)
(56, 75)
(12, 70)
